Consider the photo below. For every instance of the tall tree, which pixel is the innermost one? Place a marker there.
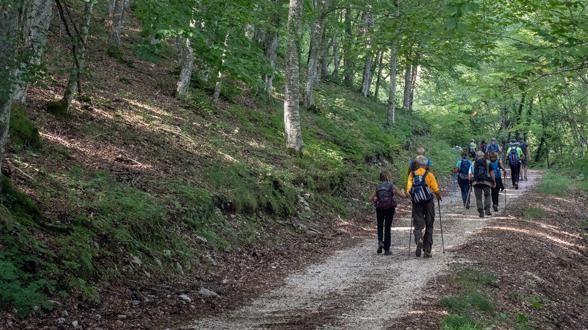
(114, 23)
(271, 46)
(367, 26)
(292, 73)
(186, 59)
(316, 41)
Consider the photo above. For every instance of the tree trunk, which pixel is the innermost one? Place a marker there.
(413, 79)
(79, 58)
(220, 76)
(347, 49)
(407, 86)
(316, 36)
(392, 91)
(187, 64)
(292, 72)
(336, 60)
(368, 23)
(36, 27)
(379, 60)
(12, 21)
(324, 56)
(271, 48)
(116, 11)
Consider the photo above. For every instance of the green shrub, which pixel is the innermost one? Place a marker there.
(23, 133)
(459, 322)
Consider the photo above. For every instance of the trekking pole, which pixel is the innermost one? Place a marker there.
(410, 236)
(469, 193)
(441, 226)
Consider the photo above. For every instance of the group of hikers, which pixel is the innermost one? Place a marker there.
(480, 169)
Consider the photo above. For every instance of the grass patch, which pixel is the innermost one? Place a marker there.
(561, 182)
(533, 212)
(459, 322)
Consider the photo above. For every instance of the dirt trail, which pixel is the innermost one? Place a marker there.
(357, 288)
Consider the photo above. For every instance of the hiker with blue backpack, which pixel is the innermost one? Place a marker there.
(483, 180)
(383, 199)
(423, 188)
(514, 156)
(499, 172)
(462, 170)
(412, 165)
(493, 147)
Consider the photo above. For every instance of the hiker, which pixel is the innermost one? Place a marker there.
(483, 146)
(482, 178)
(472, 149)
(499, 172)
(412, 165)
(423, 189)
(524, 161)
(462, 169)
(383, 199)
(493, 147)
(514, 155)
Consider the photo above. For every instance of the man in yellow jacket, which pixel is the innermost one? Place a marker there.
(423, 188)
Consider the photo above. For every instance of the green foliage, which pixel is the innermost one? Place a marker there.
(534, 212)
(459, 322)
(20, 290)
(23, 133)
(470, 300)
(559, 182)
(152, 52)
(58, 108)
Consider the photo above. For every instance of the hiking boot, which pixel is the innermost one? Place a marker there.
(516, 185)
(467, 206)
(387, 253)
(427, 254)
(495, 208)
(481, 213)
(419, 249)
(525, 178)
(488, 212)
(380, 247)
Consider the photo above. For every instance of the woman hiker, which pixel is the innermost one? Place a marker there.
(383, 199)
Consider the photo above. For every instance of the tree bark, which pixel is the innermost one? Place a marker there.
(316, 35)
(116, 11)
(12, 21)
(220, 75)
(379, 60)
(392, 90)
(36, 27)
(413, 79)
(292, 72)
(347, 49)
(79, 57)
(368, 23)
(407, 86)
(271, 48)
(187, 64)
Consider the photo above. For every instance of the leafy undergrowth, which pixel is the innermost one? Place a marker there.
(137, 184)
(526, 270)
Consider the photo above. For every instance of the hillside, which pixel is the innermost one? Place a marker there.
(138, 189)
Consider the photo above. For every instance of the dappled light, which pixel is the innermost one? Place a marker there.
(573, 247)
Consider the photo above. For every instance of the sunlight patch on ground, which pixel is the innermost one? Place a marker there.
(557, 241)
(152, 109)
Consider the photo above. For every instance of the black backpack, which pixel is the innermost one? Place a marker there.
(481, 170)
(385, 195)
(513, 157)
(420, 192)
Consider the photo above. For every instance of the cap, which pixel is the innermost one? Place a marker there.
(422, 160)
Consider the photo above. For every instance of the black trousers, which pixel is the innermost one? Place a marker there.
(423, 216)
(496, 191)
(385, 218)
(515, 171)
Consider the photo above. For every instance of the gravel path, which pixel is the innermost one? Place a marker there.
(357, 288)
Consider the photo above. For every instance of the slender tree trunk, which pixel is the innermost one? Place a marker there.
(413, 79)
(292, 72)
(379, 75)
(324, 55)
(368, 23)
(12, 22)
(407, 86)
(36, 27)
(316, 37)
(271, 48)
(347, 49)
(392, 91)
(220, 76)
(79, 57)
(336, 60)
(116, 11)
(187, 64)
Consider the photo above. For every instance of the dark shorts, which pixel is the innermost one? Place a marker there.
(524, 162)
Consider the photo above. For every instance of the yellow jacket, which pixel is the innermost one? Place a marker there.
(430, 180)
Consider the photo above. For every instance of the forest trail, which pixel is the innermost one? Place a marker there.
(356, 288)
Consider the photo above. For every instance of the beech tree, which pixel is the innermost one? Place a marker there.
(292, 73)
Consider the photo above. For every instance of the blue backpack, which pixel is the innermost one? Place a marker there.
(420, 192)
(464, 168)
(513, 157)
(492, 147)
